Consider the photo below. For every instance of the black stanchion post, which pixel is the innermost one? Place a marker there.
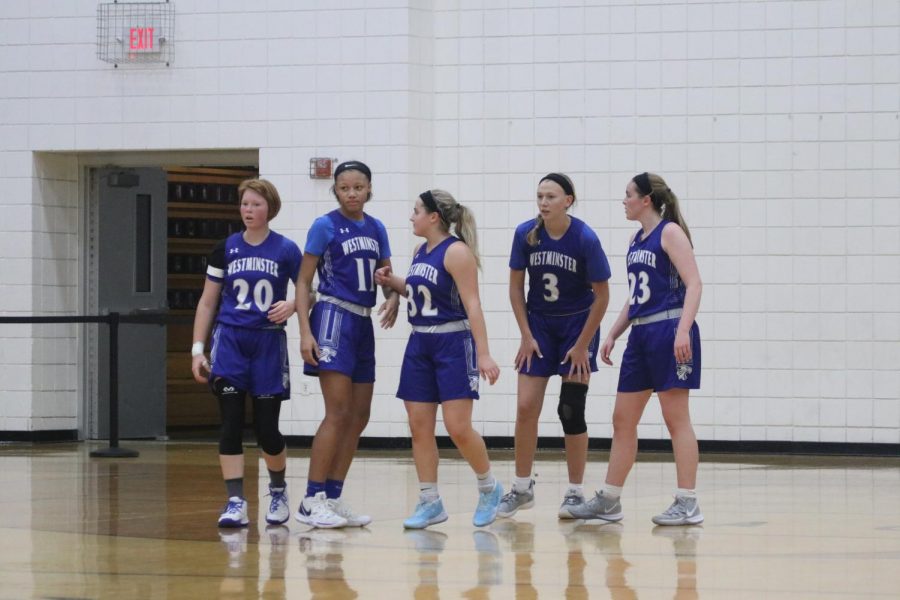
(114, 451)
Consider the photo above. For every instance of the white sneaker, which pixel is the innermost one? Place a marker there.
(317, 511)
(235, 513)
(342, 509)
(279, 507)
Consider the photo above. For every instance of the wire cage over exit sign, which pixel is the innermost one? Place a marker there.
(136, 32)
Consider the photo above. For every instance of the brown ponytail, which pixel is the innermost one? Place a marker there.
(666, 202)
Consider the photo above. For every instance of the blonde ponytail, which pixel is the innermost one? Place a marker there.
(462, 219)
(666, 202)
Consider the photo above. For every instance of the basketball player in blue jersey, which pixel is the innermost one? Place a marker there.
(247, 278)
(337, 340)
(559, 322)
(663, 350)
(446, 353)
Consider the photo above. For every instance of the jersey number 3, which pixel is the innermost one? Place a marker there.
(638, 285)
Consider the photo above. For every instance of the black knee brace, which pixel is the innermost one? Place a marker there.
(571, 407)
(265, 416)
(231, 407)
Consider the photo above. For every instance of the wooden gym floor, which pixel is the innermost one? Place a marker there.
(776, 527)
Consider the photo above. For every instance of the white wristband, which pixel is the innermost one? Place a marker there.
(197, 349)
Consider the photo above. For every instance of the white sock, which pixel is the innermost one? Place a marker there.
(521, 484)
(685, 493)
(486, 482)
(428, 491)
(612, 491)
(578, 488)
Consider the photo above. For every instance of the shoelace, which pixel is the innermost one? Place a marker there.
(277, 498)
(233, 508)
(678, 508)
(510, 496)
(342, 509)
(484, 499)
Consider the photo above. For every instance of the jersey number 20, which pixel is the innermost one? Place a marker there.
(262, 294)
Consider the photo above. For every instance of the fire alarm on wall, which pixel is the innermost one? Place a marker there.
(321, 168)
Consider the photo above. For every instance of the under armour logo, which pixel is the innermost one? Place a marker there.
(345, 230)
(233, 250)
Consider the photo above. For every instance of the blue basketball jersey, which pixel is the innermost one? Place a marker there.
(252, 277)
(347, 265)
(654, 284)
(431, 294)
(560, 272)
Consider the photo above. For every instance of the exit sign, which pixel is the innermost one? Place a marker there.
(142, 39)
(136, 32)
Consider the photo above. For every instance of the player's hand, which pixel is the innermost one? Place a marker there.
(580, 368)
(388, 311)
(383, 275)
(527, 349)
(682, 347)
(199, 364)
(309, 350)
(281, 311)
(606, 349)
(488, 369)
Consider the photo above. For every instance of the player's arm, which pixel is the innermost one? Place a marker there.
(460, 263)
(528, 346)
(203, 320)
(388, 310)
(677, 245)
(309, 350)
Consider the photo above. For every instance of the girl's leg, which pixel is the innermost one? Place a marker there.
(422, 417)
(529, 402)
(357, 417)
(626, 415)
(576, 447)
(674, 404)
(458, 421)
(337, 390)
(430, 509)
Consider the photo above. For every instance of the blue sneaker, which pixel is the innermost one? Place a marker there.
(426, 513)
(488, 503)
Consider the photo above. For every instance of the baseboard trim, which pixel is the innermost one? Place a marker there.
(46, 435)
(711, 446)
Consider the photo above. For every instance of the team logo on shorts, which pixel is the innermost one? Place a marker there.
(326, 353)
(473, 382)
(683, 370)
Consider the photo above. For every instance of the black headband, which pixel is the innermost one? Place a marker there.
(562, 181)
(430, 204)
(642, 182)
(354, 165)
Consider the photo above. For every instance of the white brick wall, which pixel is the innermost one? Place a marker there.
(776, 122)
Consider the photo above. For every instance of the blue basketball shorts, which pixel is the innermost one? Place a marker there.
(439, 367)
(649, 359)
(555, 335)
(346, 343)
(254, 360)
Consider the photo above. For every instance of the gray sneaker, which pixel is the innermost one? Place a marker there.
(572, 500)
(599, 507)
(684, 511)
(513, 501)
